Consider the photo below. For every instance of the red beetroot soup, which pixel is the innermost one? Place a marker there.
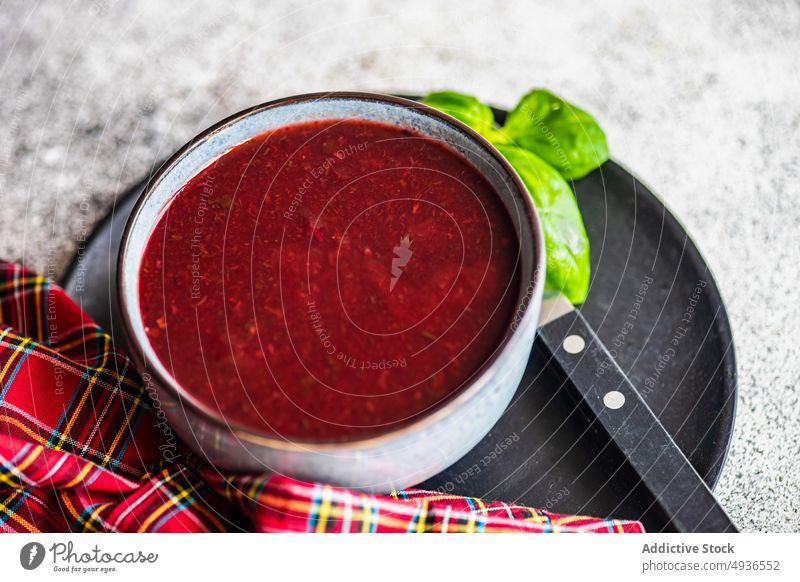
(330, 279)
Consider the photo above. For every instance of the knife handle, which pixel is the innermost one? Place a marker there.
(611, 400)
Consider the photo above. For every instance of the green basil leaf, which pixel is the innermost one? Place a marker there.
(468, 110)
(565, 239)
(565, 136)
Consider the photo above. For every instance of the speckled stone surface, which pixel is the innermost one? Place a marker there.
(702, 101)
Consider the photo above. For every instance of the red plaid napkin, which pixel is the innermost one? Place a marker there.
(81, 449)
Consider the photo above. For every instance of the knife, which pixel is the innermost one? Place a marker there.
(609, 398)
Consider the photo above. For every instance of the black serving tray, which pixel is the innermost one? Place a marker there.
(543, 452)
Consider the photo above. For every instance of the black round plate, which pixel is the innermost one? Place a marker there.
(672, 338)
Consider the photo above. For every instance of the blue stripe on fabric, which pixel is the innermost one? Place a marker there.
(413, 523)
(481, 523)
(25, 352)
(12, 510)
(11, 463)
(180, 506)
(84, 521)
(313, 513)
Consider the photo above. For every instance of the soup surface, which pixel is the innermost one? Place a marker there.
(330, 279)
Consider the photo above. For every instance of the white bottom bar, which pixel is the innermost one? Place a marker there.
(400, 557)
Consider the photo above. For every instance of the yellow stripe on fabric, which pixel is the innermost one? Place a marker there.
(34, 435)
(496, 529)
(122, 428)
(69, 506)
(39, 281)
(535, 517)
(567, 519)
(481, 505)
(423, 515)
(173, 501)
(254, 487)
(81, 474)
(337, 512)
(90, 523)
(5, 478)
(84, 397)
(17, 471)
(32, 456)
(80, 341)
(53, 356)
(324, 508)
(20, 282)
(5, 507)
(24, 428)
(18, 349)
(437, 497)
(366, 520)
(25, 523)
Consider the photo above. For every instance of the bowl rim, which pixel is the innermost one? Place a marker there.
(528, 292)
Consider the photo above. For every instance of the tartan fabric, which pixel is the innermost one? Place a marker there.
(81, 449)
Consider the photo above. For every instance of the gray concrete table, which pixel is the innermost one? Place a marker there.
(702, 101)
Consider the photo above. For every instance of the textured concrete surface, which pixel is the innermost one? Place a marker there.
(702, 100)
